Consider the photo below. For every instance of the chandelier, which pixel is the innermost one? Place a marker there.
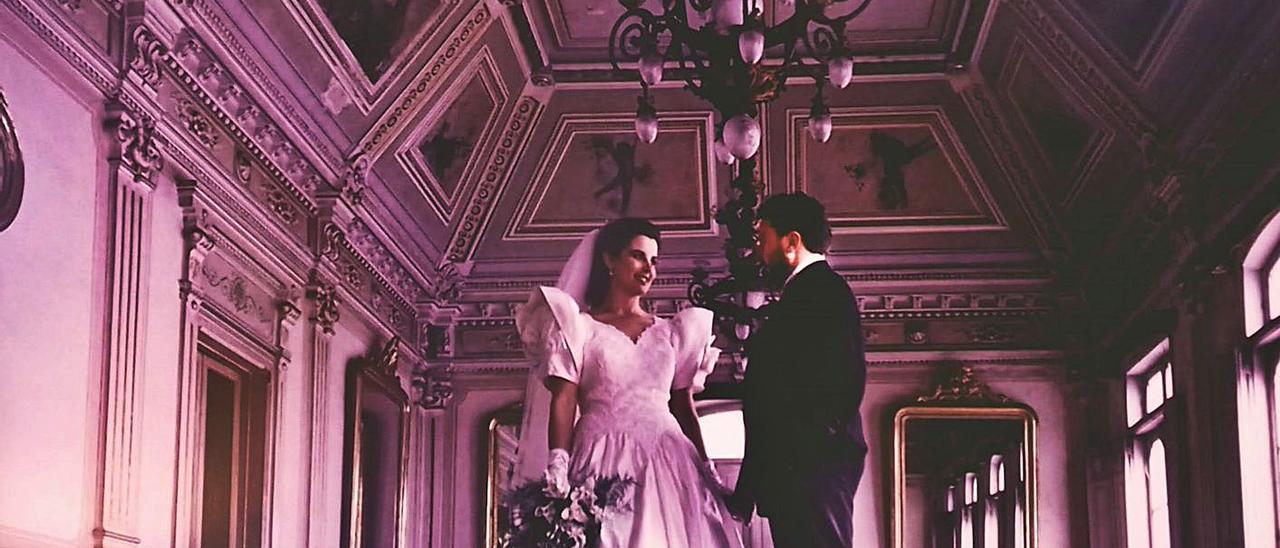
(721, 61)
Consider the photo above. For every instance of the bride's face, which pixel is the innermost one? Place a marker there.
(635, 266)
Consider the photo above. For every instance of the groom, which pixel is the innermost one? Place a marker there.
(805, 378)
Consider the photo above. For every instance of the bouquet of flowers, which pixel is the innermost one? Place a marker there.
(547, 515)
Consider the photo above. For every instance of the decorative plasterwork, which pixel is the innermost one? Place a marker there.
(576, 130)
(358, 276)
(433, 389)
(1083, 69)
(483, 69)
(346, 69)
(204, 16)
(1020, 57)
(210, 85)
(138, 150)
(326, 313)
(986, 217)
(261, 145)
(1158, 46)
(55, 32)
(497, 171)
(1048, 233)
(422, 91)
(367, 245)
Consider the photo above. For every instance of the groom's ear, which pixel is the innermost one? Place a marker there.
(794, 239)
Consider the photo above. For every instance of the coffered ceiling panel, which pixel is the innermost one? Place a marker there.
(577, 31)
(1069, 139)
(891, 167)
(1130, 29)
(445, 149)
(595, 169)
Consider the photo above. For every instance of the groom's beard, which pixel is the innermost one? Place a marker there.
(775, 275)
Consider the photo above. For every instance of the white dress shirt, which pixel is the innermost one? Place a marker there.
(806, 261)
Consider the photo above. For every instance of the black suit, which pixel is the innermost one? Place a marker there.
(805, 379)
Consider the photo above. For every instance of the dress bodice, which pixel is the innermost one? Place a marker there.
(622, 384)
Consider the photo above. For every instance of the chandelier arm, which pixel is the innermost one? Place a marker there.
(841, 20)
(645, 26)
(823, 43)
(688, 75)
(785, 31)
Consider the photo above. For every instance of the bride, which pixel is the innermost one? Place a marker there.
(611, 393)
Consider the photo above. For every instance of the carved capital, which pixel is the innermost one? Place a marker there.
(353, 180)
(448, 285)
(146, 56)
(326, 312)
(139, 150)
(432, 389)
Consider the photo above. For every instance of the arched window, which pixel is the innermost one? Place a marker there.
(1149, 384)
(1158, 496)
(1257, 396)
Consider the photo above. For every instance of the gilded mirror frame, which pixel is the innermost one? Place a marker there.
(505, 417)
(379, 374)
(962, 398)
(11, 167)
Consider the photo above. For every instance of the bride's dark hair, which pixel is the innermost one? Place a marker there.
(613, 237)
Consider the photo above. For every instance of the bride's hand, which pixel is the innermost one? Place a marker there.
(557, 474)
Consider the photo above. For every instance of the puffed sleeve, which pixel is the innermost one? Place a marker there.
(552, 333)
(695, 357)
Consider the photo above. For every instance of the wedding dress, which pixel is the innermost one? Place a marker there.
(625, 427)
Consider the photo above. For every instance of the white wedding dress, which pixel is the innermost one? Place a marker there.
(625, 427)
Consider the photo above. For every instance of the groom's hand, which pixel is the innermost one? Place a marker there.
(741, 507)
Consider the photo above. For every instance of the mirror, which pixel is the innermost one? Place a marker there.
(964, 469)
(375, 460)
(504, 438)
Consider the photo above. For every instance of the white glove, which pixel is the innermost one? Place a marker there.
(557, 474)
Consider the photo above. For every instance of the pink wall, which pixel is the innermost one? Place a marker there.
(49, 339)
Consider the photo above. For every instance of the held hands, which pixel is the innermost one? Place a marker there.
(557, 474)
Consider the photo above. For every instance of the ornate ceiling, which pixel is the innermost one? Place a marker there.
(1005, 145)
(999, 134)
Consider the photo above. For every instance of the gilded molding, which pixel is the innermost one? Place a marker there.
(367, 245)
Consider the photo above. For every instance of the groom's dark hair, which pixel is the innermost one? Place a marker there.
(799, 212)
(612, 238)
